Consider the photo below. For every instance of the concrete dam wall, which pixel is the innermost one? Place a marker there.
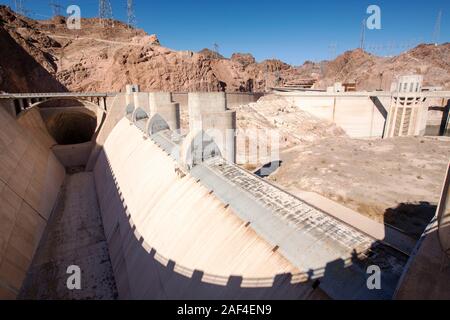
(169, 237)
(30, 181)
(144, 222)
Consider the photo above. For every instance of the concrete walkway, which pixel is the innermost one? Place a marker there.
(74, 236)
(379, 231)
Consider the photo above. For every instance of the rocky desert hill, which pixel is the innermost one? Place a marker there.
(46, 56)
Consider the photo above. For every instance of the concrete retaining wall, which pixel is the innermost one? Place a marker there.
(30, 180)
(116, 108)
(358, 116)
(74, 155)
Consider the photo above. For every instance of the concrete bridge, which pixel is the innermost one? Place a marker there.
(152, 212)
(17, 102)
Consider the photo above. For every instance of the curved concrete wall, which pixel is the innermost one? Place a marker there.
(115, 112)
(30, 180)
(170, 237)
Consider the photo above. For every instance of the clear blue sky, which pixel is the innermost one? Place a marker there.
(290, 30)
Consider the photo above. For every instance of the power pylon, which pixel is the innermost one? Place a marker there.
(363, 35)
(130, 14)
(216, 50)
(105, 13)
(20, 7)
(56, 8)
(437, 28)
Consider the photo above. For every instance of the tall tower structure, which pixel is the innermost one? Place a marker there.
(437, 28)
(216, 50)
(105, 13)
(19, 6)
(130, 14)
(363, 35)
(56, 8)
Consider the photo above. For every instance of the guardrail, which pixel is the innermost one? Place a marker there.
(54, 95)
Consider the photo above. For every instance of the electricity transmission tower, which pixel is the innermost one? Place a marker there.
(130, 14)
(216, 50)
(20, 7)
(105, 13)
(437, 28)
(56, 8)
(363, 35)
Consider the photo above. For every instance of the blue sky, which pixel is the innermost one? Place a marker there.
(290, 30)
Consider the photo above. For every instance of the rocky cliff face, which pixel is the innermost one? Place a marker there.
(46, 56)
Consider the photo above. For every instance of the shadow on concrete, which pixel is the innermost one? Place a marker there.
(142, 273)
(410, 218)
(382, 110)
(443, 128)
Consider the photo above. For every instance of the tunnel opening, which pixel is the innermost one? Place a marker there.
(72, 127)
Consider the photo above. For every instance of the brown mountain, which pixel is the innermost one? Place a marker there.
(46, 56)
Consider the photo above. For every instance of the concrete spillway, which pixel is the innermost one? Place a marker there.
(139, 229)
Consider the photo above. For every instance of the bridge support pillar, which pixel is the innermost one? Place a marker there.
(21, 104)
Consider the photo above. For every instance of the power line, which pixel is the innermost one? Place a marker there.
(130, 14)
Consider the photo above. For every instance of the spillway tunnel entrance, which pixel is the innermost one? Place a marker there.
(72, 127)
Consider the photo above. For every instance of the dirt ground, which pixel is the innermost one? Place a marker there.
(397, 181)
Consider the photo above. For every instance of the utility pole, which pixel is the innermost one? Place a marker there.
(363, 35)
(56, 8)
(437, 28)
(105, 12)
(130, 14)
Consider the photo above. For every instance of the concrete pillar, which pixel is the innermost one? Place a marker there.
(21, 104)
(157, 99)
(140, 100)
(202, 102)
(221, 127)
(171, 114)
(208, 113)
(130, 89)
(161, 103)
